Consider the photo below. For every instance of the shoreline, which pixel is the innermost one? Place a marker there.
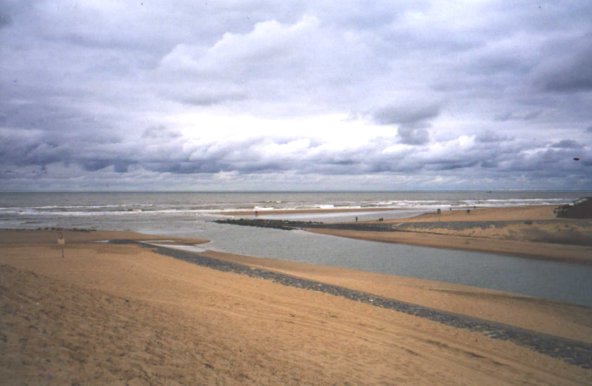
(524, 249)
(158, 310)
(279, 212)
(524, 231)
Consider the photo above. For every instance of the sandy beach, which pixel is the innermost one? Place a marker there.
(295, 193)
(122, 314)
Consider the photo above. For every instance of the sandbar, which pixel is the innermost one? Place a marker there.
(279, 212)
(531, 231)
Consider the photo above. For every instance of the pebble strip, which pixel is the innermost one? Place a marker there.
(571, 351)
(291, 225)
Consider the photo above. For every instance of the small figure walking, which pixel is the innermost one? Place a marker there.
(356, 218)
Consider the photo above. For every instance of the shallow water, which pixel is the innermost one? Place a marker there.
(563, 282)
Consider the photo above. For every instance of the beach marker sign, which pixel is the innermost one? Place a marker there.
(62, 242)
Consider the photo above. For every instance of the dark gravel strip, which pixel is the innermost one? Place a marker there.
(571, 351)
(291, 225)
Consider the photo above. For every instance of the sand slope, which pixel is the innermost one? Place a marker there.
(124, 315)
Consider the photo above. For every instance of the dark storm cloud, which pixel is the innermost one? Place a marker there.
(567, 144)
(215, 158)
(160, 132)
(406, 115)
(491, 137)
(413, 135)
(568, 69)
(412, 121)
(5, 19)
(15, 149)
(516, 116)
(42, 115)
(96, 164)
(209, 99)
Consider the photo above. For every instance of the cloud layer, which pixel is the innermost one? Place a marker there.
(295, 95)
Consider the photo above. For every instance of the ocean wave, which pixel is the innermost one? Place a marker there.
(214, 207)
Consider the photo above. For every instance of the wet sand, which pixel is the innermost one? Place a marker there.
(121, 314)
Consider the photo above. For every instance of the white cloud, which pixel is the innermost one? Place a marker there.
(266, 48)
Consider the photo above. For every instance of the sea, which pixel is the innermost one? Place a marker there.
(192, 214)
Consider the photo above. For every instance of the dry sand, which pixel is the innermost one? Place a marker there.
(522, 231)
(121, 314)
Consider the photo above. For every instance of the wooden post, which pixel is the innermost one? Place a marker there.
(62, 242)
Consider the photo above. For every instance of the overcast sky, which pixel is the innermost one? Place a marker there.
(295, 95)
